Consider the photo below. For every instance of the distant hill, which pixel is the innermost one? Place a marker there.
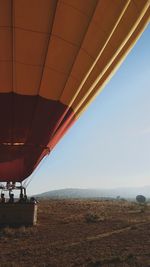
(96, 193)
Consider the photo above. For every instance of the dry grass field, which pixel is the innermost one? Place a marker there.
(88, 233)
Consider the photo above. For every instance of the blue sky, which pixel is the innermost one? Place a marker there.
(109, 146)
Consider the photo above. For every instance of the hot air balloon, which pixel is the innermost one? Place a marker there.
(55, 57)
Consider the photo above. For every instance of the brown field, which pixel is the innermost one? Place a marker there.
(88, 233)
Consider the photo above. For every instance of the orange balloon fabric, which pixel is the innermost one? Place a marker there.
(55, 57)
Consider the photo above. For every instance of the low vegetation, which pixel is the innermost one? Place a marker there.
(93, 218)
(86, 233)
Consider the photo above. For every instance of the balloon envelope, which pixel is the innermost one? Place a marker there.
(55, 56)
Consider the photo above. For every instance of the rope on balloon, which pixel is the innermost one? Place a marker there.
(30, 178)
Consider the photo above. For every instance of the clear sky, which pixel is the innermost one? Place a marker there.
(109, 146)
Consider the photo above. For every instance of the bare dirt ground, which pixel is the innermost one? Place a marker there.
(88, 233)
